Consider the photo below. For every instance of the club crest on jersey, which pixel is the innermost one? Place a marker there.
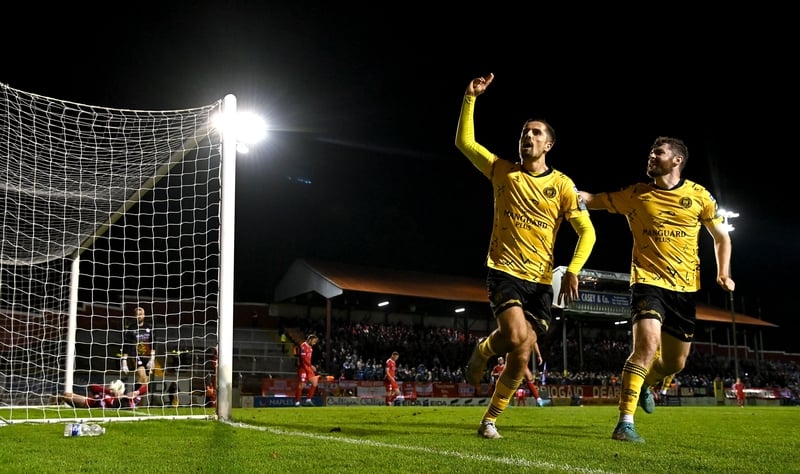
(686, 202)
(550, 192)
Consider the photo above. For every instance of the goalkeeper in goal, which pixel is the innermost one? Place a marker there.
(138, 343)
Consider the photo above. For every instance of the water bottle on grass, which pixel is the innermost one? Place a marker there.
(83, 429)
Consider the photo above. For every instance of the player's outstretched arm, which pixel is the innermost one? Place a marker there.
(465, 132)
(722, 252)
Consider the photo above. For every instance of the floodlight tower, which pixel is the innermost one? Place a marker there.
(727, 215)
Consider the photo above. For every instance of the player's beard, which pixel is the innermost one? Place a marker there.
(656, 170)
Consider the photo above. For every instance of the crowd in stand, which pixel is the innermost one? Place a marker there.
(359, 350)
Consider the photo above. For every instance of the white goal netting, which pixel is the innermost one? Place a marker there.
(105, 211)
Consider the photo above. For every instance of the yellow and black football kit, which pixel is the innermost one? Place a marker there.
(665, 264)
(528, 210)
(665, 225)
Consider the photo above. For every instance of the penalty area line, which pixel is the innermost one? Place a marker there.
(507, 460)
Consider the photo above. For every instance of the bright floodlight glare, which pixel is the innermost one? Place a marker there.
(725, 216)
(248, 128)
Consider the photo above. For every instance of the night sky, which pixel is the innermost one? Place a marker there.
(360, 165)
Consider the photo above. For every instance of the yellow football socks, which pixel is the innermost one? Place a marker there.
(632, 379)
(485, 348)
(503, 394)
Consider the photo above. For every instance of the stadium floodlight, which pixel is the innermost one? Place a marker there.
(247, 128)
(726, 215)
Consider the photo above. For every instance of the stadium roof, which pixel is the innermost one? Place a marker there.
(330, 279)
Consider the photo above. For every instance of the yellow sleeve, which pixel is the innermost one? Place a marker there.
(586, 237)
(465, 138)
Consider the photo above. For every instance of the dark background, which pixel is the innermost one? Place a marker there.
(361, 167)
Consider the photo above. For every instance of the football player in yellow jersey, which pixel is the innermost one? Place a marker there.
(531, 200)
(665, 217)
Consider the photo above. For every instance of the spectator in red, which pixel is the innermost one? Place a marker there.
(739, 388)
(306, 371)
(528, 378)
(528, 382)
(390, 379)
(521, 396)
(496, 371)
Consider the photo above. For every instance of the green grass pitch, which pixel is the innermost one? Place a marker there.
(420, 440)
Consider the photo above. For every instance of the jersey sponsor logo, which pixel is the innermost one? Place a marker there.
(525, 222)
(665, 233)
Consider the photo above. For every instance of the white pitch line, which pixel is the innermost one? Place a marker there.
(510, 461)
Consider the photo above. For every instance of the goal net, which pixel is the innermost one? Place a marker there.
(105, 211)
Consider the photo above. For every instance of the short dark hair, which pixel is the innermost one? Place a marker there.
(676, 145)
(551, 132)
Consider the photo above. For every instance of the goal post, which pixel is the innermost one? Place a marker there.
(104, 211)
